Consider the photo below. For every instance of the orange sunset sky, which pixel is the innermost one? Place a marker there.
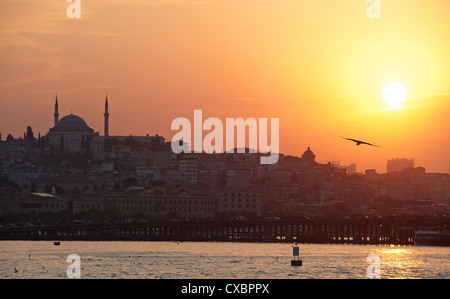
(319, 66)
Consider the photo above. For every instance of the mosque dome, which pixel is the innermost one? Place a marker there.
(72, 123)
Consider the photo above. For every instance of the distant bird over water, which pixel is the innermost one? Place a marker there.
(359, 142)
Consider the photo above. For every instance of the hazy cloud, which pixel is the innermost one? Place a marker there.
(156, 2)
(240, 100)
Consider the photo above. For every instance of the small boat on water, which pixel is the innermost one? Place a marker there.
(433, 236)
(56, 243)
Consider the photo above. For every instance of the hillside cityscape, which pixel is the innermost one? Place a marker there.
(75, 174)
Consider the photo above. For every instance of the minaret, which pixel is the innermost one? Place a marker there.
(56, 114)
(106, 116)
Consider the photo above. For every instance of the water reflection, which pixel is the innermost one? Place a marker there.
(218, 260)
(408, 262)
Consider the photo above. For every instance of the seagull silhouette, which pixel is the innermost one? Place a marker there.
(359, 142)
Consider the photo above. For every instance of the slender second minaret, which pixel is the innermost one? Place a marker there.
(56, 114)
(106, 117)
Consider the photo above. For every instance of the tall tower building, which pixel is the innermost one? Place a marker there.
(106, 117)
(56, 114)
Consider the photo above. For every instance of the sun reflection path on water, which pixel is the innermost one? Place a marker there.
(404, 262)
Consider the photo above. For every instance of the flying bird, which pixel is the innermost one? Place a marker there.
(359, 142)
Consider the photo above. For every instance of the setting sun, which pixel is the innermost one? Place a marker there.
(394, 94)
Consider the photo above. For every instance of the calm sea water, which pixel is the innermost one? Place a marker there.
(41, 259)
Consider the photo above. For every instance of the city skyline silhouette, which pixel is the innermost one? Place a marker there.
(322, 68)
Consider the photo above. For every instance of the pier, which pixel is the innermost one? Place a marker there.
(353, 231)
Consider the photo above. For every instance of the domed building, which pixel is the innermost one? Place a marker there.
(70, 133)
(309, 157)
(72, 122)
